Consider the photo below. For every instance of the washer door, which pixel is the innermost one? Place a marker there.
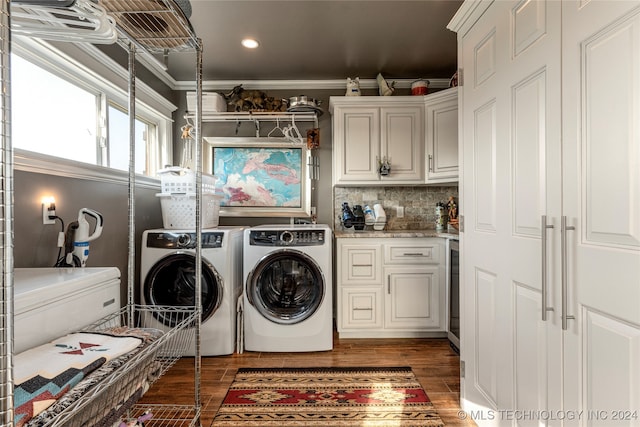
(172, 282)
(286, 287)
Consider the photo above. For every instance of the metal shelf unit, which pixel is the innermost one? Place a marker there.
(256, 117)
(153, 26)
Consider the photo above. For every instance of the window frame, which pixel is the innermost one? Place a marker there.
(150, 107)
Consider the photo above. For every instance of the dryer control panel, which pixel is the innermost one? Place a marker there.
(184, 240)
(287, 237)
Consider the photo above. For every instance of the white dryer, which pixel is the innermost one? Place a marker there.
(167, 278)
(288, 288)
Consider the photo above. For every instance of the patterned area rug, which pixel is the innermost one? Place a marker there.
(326, 397)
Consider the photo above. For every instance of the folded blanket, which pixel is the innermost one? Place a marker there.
(148, 336)
(45, 373)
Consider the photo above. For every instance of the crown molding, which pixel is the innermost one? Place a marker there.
(301, 84)
(467, 15)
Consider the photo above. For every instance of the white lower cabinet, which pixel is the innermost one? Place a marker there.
(390, 287)
(361, 308)
(412, 300)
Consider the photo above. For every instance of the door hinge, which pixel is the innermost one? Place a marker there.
(461, 223)
(462, 368)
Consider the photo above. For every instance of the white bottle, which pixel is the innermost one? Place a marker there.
(381, 217)
(369, 216)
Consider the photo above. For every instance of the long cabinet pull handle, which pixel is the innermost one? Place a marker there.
(545, 289)
(389, 284)
(565, 285)
(413, 254)
(430, 162)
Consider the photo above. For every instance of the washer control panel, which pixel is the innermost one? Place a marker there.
(287, 237)
(184, 240)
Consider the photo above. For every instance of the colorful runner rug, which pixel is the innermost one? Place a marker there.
(326, 397)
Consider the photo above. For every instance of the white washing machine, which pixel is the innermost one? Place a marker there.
(288, 288)
(167, 278)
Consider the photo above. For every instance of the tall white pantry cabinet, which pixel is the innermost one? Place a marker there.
(549, 110)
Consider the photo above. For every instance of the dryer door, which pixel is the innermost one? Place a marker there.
(286, 287)
(172, 282)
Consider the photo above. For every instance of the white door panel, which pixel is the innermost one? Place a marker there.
(487, 335)
(511, 140)
(530, 367)
(601, 200)
(610, 354)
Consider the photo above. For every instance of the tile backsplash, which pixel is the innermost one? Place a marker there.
(419, 204)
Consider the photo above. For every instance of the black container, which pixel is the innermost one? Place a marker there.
(358, 217)
(347, 215)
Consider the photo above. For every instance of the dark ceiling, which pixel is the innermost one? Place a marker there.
(322, 40)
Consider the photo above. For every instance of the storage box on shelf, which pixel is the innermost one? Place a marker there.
(178, 199)
(212, 102)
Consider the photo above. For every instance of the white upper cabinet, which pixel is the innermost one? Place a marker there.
(371, 134)
(441, 111)
(395, 140)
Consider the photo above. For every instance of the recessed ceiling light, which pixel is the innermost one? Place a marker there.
(250, 43)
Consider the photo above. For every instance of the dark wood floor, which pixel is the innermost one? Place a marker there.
(434, 363)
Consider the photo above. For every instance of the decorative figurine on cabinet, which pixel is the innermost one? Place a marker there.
(384, 89)
(353, 87)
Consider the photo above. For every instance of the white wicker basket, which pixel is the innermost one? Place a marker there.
(180, 180)
(179, 210)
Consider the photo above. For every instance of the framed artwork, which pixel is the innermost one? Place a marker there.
(260, 176)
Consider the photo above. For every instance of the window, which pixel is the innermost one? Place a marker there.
(52, 116)
(61, 108)
(118, 137)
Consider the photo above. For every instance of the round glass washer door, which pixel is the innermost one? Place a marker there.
(286, 287)
(172, 282)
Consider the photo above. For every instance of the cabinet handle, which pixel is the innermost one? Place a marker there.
(413, 254)
(389, 285)
(361, 265)
(565, 287)
(362, 309)
(544, 227)
(430, 162)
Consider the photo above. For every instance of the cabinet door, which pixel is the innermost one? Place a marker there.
(413, 298)
(601, 202)
(402, 143)
(359, 264)
(356, 144)
(360, 308)
(442, 136)
(510, 178)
